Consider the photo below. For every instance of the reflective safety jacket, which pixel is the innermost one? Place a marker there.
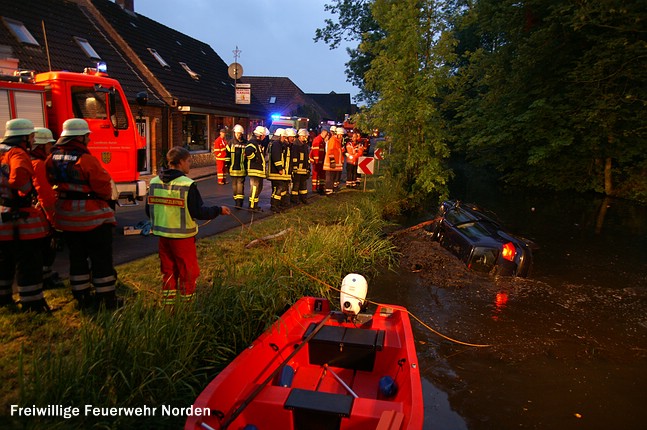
(334, 160)
(255, 158)
(46, 195)
(20, 219)
(83, 187)
(220, 149)
(279, 153)
(354, 150)
(318, 150)
(236, 155)
(299, 156)
(169, 208)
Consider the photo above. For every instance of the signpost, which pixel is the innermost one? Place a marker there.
(365, 166)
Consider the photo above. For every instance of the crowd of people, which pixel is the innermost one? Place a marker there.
(287, 159)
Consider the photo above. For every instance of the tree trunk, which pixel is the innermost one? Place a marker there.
(608, 185)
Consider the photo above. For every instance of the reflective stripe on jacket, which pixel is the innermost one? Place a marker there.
(21, 219)
(236, 153)
(299, 154)
(255, 158)
(279, 161)
(334, 152)
(83, 188)
(169, 208)
(220, 149)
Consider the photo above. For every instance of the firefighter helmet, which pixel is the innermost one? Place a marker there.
(75, 127)
(279, 132)
(333, 129)
(267, 131)
(340, 130)
(259, 131)
(290, 132)
(239, 129)
(18, 127)
(303, 132)
(43, 136)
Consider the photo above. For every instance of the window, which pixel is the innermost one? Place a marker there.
(195, 132)
(191, 73)
(159, 59)
(87, 48)
(19, 30)
(90, 104)
(272, 100)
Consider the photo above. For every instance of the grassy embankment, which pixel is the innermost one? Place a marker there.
(145, 355)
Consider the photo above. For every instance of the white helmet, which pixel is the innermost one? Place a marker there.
(18, 127)
(43, 136)
(267, 131)
(239, 129)
(303, 132)
(75, 127)
(290, 132)
(340, 130)
(259, 131)
(333, 129)
(279, 132)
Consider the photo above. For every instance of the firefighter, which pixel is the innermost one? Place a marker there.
(23, 225)
(220, 153)
(237, 169)
(300, 168)
(278, 172)
(289, 138)
(43, 140)
(255, 167)
(173, 205)
(334, 161)
(316, 156)
(84, 213)
(354, 150)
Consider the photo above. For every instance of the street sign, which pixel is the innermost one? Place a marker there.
(243, 94)
(378, 154)
(365, 165)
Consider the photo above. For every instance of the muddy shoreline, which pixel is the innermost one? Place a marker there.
(562, 356)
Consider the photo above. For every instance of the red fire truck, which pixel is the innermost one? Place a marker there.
(48, 99)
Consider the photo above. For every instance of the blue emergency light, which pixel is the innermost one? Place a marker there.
(102, 67)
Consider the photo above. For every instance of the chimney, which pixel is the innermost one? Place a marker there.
(127, 5)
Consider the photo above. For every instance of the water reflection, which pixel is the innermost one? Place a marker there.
(500, 303)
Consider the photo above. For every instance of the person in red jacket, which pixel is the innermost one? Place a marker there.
(43, 140)
(220, 152)
(334, 161)
(23, 226)
(316, 157)
(84, 191)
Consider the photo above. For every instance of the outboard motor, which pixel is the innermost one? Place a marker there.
(353, 294)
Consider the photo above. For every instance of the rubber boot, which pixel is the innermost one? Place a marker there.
(38, 306)
(84, 299)
(109, 300)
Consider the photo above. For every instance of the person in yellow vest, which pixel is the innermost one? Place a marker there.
(173, 205)
(23, 226)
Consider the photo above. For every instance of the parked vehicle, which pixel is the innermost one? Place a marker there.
(48, 99)
(294, 122)
(321, 369)
(480, 241)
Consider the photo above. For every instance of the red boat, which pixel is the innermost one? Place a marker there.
(320, 369)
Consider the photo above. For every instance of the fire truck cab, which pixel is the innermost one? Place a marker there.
(48, 99)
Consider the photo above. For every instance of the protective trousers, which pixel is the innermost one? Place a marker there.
(299, 191)
(256, 185)
(238, 189)
(22, 259)
(179, 267)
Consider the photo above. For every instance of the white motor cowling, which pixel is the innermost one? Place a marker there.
(353, 293)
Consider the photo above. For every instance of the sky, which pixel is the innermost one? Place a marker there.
(275, 37)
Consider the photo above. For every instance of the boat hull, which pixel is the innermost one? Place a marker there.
(315, 369)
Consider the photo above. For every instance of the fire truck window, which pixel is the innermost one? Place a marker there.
(120, 119)
(86, 103)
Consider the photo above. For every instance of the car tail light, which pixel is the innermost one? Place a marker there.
(509, 251)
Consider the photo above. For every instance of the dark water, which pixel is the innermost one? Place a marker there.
(569, 344)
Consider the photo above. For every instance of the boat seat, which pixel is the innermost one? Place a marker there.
(317, 410)
(345, 347)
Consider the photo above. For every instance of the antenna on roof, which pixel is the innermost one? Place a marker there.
(49, 61)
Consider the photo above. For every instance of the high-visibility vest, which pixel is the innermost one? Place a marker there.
(21, 219)
(169, 208)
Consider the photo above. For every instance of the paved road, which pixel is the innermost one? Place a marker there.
(129, 248)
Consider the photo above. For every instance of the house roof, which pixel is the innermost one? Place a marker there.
(64, 21)
(337, 105)
(210, 88)
(280, 95)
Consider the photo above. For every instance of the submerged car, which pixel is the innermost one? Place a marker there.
(480, 241)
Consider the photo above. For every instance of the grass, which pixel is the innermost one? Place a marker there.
(146, 355)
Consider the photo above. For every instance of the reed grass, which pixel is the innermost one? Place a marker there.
(145, 354)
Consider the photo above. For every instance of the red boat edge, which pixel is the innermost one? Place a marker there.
(316, 368)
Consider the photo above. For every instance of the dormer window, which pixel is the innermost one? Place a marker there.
(272, 100)
(191, 73)
(87, 48)
(19, 30)
(159, 59)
